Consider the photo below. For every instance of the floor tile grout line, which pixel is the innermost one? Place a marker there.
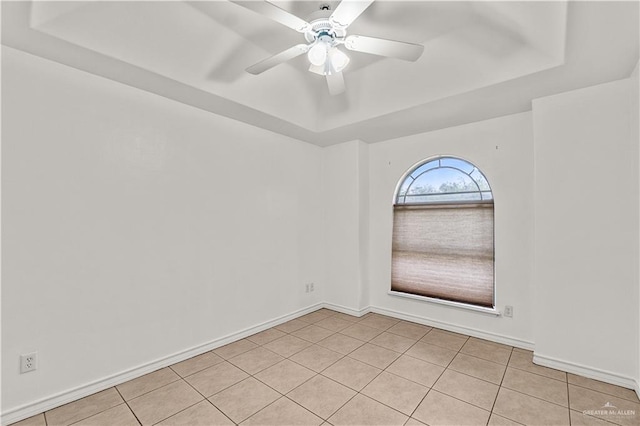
(223, 389)
(482, 359)
(87, 418)
(459, 399)
(420, 403)
(201, 370)
(206, 399)
(500, 385)
(273, 402)
(149, 391)
(246, 378)
(530, 396)
(182, 379)
(420, 359)
(568, 398)
(533, 396)
(537, 374)
(303, 407)
(128, 406)
(84, 418)
(405, 378)
(473, 377)
(380, 402)
(435, 381)
(284, 394)
(328, 366)
(605, 393)
(350, 399)
(393, 350)
(334, 381)
(227, 359)
(177, 412)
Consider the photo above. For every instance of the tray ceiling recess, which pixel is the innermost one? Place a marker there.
(476, 60)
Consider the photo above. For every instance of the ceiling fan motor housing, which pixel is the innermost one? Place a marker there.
(322, 29)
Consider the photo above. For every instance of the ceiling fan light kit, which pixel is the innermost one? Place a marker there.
(324, 35)
(318, 53)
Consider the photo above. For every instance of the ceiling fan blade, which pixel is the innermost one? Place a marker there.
(347, 12)
(335, 81)
(281, 57)
(277, 14)
(384, 47)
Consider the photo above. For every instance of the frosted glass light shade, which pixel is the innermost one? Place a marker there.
(318, 54)
(339, 60)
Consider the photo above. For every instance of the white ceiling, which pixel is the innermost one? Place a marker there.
(481, 60)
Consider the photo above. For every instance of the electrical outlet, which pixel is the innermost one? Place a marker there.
(28, 362)
(311, 288)
(508, 311)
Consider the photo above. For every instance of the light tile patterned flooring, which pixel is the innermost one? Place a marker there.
(331, 368)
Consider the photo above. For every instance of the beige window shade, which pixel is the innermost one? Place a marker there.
(444, 252)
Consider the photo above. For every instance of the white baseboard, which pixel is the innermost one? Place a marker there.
(583, 370)
(25, 411)
(494, 337)
(637, 388)
(347, 310)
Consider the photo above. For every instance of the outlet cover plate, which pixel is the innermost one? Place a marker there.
(28, 362)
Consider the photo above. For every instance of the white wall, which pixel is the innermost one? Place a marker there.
(586, 220)
(345, 199)
(635, 128)
(135, 227)
(502, 148)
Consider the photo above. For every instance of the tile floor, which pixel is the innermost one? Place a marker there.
(331, 368)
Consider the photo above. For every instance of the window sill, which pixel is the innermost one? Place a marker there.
(458, 305)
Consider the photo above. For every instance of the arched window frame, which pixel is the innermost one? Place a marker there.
(483, 197)
(400, 200)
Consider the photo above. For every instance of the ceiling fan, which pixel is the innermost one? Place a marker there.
(324, 36)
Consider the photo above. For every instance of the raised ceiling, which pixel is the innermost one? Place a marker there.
(481, 59)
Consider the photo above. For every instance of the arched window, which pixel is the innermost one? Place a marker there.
(443, 233)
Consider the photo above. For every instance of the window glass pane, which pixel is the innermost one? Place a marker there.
(487, 195)
(405, 186)
(457, 163)
(442, 180)
(426, 166)
(480, 180)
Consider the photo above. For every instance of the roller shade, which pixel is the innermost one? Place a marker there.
(444, 252)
